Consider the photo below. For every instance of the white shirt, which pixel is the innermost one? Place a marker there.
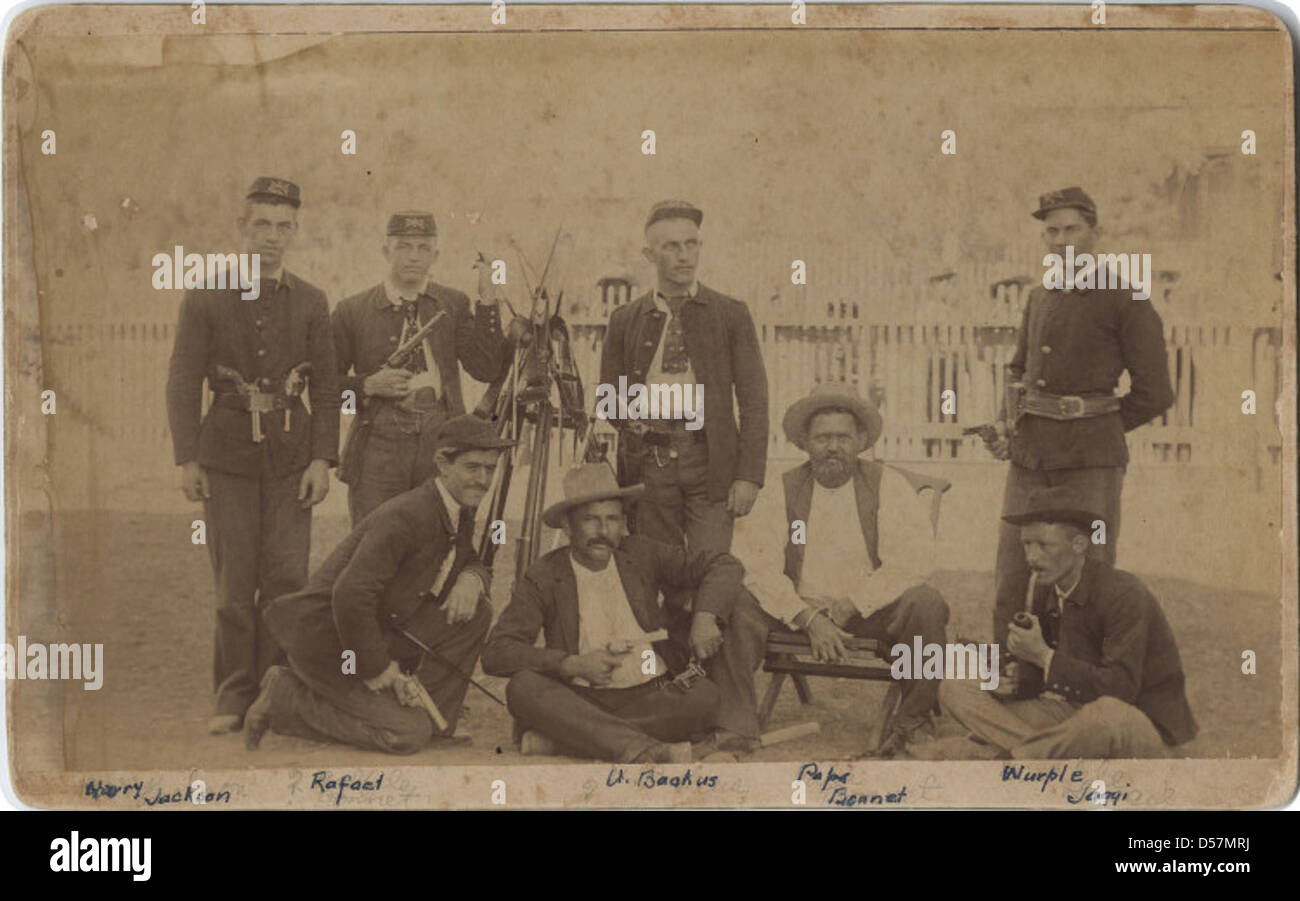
(655, 375)
(605, 618)
(453, 511)
(835, 556)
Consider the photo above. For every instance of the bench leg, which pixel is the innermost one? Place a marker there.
(887, 710)
(801, 686)
(769, 699)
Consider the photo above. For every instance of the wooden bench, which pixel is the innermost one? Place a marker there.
(781, 660)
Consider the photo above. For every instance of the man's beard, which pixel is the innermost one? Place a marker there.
(831, 471)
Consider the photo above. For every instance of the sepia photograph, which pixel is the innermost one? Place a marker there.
(615, 406)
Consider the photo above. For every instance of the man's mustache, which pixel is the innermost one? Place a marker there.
(600, 542)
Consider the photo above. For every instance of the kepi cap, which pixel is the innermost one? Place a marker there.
(1065, 198)
(412, 223)
(674, 209)
(268, 188)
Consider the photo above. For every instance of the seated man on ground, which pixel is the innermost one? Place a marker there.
(1099, 671)
(606, 685)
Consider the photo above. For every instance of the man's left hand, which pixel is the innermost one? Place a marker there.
(1028, 644)
(314, 484)
(741, 497)
(706, 637)
(463, 599)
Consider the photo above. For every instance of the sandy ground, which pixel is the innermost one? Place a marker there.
(141, 588)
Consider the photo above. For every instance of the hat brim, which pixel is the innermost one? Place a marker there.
(1081, 518)
(273, 198)
(554, 515)
(488, 444)
(696, 216)
(796, 419)
(1042, 212)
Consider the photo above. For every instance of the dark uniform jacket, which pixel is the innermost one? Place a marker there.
(724, 352)
(377, 578)
(1077, 343)
(1112, 639)
(546, 600)
(262, 340)
(367, 328)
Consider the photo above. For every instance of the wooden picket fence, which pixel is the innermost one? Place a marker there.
(112, 376)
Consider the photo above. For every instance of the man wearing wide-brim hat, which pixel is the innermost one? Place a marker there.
(842, 547)
(412, 566)
(398, 408)
(1107, 677)
(606, 684)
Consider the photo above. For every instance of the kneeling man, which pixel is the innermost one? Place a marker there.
(1103, 672)
(609, 682)
(410, 566)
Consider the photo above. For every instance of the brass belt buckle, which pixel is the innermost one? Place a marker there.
(1071, 406)
(259, 402)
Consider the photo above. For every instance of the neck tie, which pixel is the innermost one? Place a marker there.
(1052, 619)
(675, 358)
(464, 546)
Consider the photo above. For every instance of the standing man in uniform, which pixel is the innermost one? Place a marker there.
(258, 461)
(684, 333)
(388, 450)
(1069, 428)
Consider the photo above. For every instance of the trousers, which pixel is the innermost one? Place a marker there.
(316, 700)
(259, 540)
(675, 508)
(920, 610)
(1097, 486)
(615, 724)
(1048, 727)
(397, 456)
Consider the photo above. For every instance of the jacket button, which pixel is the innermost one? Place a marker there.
(649, 344)
(261, 351)
(393, 338)
(1041, 383)
(1046, 348)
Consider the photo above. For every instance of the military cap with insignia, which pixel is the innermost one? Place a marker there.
(1066, 198)
(265, 188)
(674, 209)
(412, 224)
